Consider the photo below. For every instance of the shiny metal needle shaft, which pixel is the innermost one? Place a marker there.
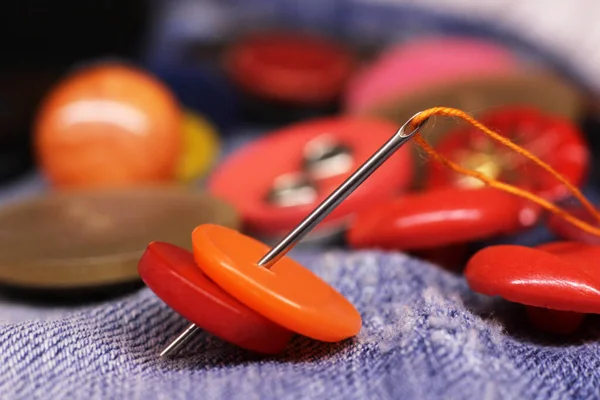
(180, 340)
(321, 211)
(339, 194)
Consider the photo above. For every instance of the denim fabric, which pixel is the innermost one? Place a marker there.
(425, 336)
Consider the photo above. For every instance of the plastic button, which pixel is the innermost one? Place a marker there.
(171, 273)
(290, 67)
(471, 74)
(560, 276)
(556, 141)
(247, 177)
(439, 218)
(288, 294)
(426, 64)
(85, 239)
(200, 147)
(108, 125)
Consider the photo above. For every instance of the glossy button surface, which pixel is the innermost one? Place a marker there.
(467, 73)
(172, 274)
(288, 294)
(108, 125)
(561, 276)
(290, 67)
(200, 147)
(425, 64)
(247, 177)
(94, 237)
(440, 217)
(556, 141)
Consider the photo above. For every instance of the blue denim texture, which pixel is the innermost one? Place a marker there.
(425, 336)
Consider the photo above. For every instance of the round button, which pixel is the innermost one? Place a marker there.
(200, 147)
(554, 140)
(290, 67)
(439, 218)
(559, 276)
(424, 64)
(288, 294)
(572, 252)
(271, 185)
(90, 238)
(171, 273)
(465, 73)
(108, 125)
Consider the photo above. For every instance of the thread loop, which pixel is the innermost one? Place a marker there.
(419, 119)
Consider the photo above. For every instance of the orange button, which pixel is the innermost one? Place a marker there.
(108, 125)
(288, 294)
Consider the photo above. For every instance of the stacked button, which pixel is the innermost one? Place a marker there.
(222, 289)
(266, 280)
(172, 274)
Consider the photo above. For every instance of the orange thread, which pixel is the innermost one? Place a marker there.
(452, 112)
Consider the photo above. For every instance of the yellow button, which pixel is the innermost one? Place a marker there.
(201, 147)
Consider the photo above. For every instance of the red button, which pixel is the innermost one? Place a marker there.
(172, 274)
(564, 322)
(554, 140)
(440, 218)
(565, 230)
(560, 276)
(247, 176)
(290, 67)
(574, 252)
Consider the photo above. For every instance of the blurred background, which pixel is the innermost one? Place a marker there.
(248, 111)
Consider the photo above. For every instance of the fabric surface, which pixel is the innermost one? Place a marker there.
(425, 334)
